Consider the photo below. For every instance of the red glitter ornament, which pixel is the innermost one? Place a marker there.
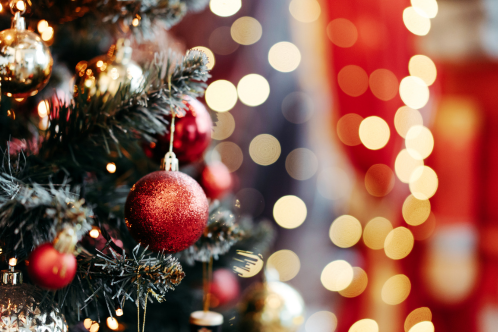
(166, 210)
(216, 180)
(192, 135)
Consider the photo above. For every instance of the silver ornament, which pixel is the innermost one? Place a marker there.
(22, 309)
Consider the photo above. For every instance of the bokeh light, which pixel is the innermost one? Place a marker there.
(220, 41)
(428, 7)
(423, 67)
(225, 8)
(423, 182)
(379, 180)
(425, 230)
(47, 34)
(111, 167)
(415, 211)
(221, 96)
(418, 315)
(405, 118)
(423, 327)
(264, 149)
(364, 325)
(209, 54)
(297, 107)
(224, 126)
(416, 22)
(375, 232)
(286, 263)
(396, 289)
(348, 129)
(43, 108)
(399, 243)
(305, 11)
(246, 30)
(358, 285)
(405, 165)
(253, 90)
(321, 321)
(112, 323)
(42, 26)
(333, 183)
(383, 84)
(337, 276)
(419, 142)
(284, 57)
(345, 231)
(249, 201)
(290, 212)
(253, 264)
(230, 154)
(374, 132)
(414, 92)
(342, 32)
(353, 80)
(301, 164)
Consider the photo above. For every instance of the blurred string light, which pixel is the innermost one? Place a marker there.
(231, 155)
(405, 165)
(342, 32)
(264, 149)
(405, 118)
(422, 66)
(225, 8)
(42, 26)
(221, 95)
(112, 323)
(429, 8)
(20, 5)
(375, 232)
(94, 232)
(221, 42)
(47, 34)
(353, 80)
(321, 321)
(399, 243)
(423, 327)
(91, 325)
(297, 107)
(286, 263)
(358, 285)
(348, 129)
(374, 132)
(252, 264)
(383, 84)
(396, 289)
(345, 231)
(224, 126)
(209, 54)
(135, 22)
(418, 315)
(290, 212)
(416, 21)
(43, 108)
(379, 180)
(111, 168)
(414, 92)
(419, 142)
(337, 276)
(364, 325)
(284, 57)
(423, 182)
(301, 164)
(305, 11)
(253, 90)
(246, 30)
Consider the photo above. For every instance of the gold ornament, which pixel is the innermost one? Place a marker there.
(106, 73)
(271, 307)
(25, 60)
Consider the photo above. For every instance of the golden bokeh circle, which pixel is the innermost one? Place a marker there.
(345, 231)
(305, 11)
(342, 32)
(375, 232)
(353, 80)
(348, 129)
(422, 66)
(224, 126)
(415, 211)
(405, 118)
(253, 90)
(429, 7)
(289, 212)
(405, 165)
(364, 325)
(396, 289)
(419, 142)
(399, 243)
(423, 327)
(423, 182)
(264, 149)
(374, 132)
(321, 321)
(337, 275)
(246, 30)
(416, 22)
(301, 164)
(231, 155)
(418, 315)
(379, 180)
(358, 285)
(383, 84)
(209, 54)
(286, 263)
(284, 57)
(221, 96)
(225, 8)
(414, 92)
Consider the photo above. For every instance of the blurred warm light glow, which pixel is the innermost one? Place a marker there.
(376, 231)
(284, 57)
(94, 327)
(364, 325)
(12, 261)
(44, 123)
(374, 133)
(348, 129)
(379, 180)
(20, 5)
(428, 7)
(358, 285)
(419, 142)
(224, 126)
(249, 201)
(405, 164)
(423, 67)
(264, 149)
(42, 26)
(345, 231)
(334, 183)
(253, 90)
(337, 276)
(418, 315)
(405, 118)
(231, 155)
(321, 321)
(221, 96)
(425, 230)
(246, 30)
(342, 32)
(399, 243)
(220, 41)
(112, 323)
(396, 289)
(301, 164)
(47, 34)
(253, 264)
(87, 323)
(225, 8)
(297, 107)
(415, 211)
(290, 212)
(416, 22)
(353, 80)
(209, 54)
(111, 167)
(119, 312)
(383, 84)
(305, 11)
(286, 263)
(94, 232)
(43, 108)
(414, 92)
(135, 22)
(423, 327)
(423, 182)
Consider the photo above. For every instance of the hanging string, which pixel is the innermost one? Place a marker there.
(170, 163)
(208, 279)
(138, 304)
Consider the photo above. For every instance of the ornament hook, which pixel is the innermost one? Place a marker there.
(170, 162)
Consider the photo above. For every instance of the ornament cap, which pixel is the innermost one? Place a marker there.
(123, 51)
(18, 22)
(170, 162)
(11, 277)
(65, 241)
(206, 318)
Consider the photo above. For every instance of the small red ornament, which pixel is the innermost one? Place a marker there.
(192, 135)
(225, 286)
(166, 210)
(216, 180)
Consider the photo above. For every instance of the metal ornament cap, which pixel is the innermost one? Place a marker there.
(13, 277)
(206, 318)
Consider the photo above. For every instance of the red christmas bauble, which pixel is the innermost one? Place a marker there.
(166, 211)
(51, 269)
(216, 180)
(191, 138)
(225, 286)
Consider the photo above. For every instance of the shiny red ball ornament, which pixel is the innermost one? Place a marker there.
(50, 269)
(225, 286)
(216, 180)
(191, 138)
(166, 210)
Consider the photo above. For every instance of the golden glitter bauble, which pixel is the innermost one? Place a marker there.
(25, 61)
(271, 307)
(106, 74)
